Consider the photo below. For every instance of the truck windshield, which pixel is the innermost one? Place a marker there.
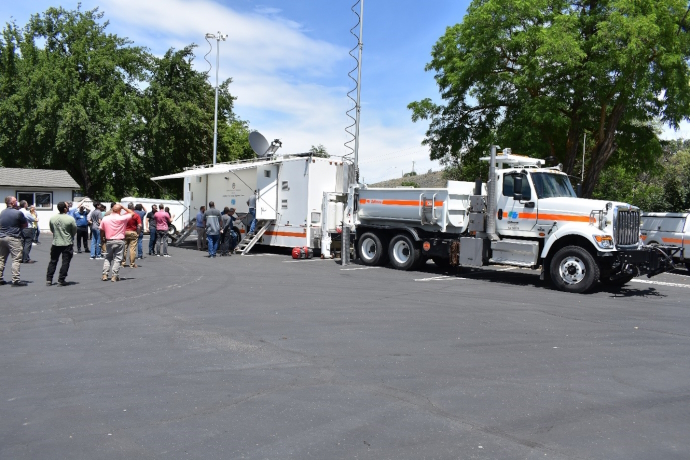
(550, 185)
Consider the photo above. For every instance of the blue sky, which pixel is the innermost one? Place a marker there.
(289, 63)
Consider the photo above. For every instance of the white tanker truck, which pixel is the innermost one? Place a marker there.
(526, 215)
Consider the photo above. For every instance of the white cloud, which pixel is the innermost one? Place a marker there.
(256, 42)
(288, 84)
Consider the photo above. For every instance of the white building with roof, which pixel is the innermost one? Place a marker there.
(43, 188)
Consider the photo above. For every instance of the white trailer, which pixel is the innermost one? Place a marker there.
(291, 191)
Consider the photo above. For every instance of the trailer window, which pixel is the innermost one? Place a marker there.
(550, 185)
(509, 186)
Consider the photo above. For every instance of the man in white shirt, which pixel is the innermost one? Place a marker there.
(27, 233)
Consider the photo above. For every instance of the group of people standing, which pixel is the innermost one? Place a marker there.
(18, 231)
(114, 235)
(216, 230)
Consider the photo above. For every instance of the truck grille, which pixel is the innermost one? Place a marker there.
(627, 231)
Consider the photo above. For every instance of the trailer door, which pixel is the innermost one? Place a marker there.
(267, 191)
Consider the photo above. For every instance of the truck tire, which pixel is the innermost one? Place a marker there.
(573, 269)
(403, 253)
(371, 249)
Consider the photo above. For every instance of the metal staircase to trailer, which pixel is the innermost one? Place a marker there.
(178, 238)
(248, 242)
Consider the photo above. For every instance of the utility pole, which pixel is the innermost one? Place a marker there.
(218, 38)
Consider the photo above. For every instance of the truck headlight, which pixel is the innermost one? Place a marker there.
(604, 241)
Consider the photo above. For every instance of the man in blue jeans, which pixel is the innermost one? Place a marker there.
(94, 219)
(212, 222)
(141, 212)
(251, 202)
(151, 223)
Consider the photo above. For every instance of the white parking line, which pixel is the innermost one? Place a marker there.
(304, 260)
(358, 268)
(661, 283)
(441, 278)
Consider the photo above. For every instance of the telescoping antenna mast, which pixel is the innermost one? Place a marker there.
(345, 250)
(218, 37)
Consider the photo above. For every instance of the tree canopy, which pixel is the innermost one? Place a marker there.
(536, 75)
(75, 97)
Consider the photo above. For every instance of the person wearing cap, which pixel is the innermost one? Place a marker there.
(12, 221)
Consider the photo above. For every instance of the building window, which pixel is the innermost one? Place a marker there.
(42, 200)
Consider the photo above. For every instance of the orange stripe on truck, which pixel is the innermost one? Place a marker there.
(522, 215)
(565, 217)
(672, 240)
(291, 234)
(399, 202)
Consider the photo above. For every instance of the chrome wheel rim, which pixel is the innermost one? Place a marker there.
(401, 252)
(368, 249)
(572, 270)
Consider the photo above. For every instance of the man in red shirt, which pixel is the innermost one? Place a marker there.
(113, 233)
(132, 230)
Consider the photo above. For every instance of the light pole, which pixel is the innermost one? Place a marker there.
(218, 38)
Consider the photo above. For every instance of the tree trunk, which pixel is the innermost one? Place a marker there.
(571, 146)
(605, 147)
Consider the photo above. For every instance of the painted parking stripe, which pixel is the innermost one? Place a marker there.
(304, 260)
(661, 283)
(440, 278)
(358, 268)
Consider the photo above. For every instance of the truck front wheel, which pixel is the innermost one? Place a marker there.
(573, 269)
(371, 249)
(403, 253)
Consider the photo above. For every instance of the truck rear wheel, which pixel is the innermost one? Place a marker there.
(402, 252)
(573, 269)
(371, 249)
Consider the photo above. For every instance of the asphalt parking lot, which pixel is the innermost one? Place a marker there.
(263, 357)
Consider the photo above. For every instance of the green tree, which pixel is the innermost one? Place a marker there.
(319, 151)
(72, 103)
(536, 75)
(661, 186)
(71, 98)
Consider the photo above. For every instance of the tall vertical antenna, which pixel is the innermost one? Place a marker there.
(218, 38)
(358, 88)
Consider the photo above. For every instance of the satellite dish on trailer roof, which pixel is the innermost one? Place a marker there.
(259, 143)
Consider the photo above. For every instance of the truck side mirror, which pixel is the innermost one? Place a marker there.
(517, 188)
